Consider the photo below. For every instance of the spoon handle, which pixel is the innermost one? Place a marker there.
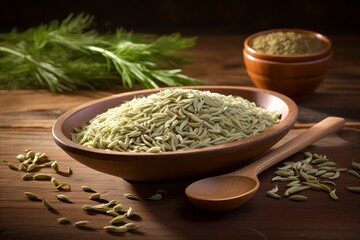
(318, 131)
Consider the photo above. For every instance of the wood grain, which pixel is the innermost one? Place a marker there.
(26, 118)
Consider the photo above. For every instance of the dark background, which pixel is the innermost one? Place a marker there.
(190, 16)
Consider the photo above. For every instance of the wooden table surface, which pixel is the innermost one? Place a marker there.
(26, 118)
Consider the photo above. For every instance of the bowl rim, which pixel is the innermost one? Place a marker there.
(66, 143)
(289, 58)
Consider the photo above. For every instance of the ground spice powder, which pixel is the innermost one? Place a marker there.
(287, 43)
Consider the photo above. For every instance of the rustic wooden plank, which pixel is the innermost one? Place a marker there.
(172, 217)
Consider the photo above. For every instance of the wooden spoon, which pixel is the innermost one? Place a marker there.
(229, 191)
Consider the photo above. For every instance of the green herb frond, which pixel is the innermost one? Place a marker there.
(66, 55)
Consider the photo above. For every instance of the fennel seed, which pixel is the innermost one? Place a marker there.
(355, 165)
(299, 198)
(63, 198)
(27, 176)
(118, 219)
(63, 220)
(95, 196)
(354, 173)
(32, 196)
(131, 196)
(87, 189)
(355, 189)
(81, 224)
(156, 197)
(47, 204)
(333, 195)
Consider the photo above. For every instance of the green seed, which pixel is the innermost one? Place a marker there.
(333, 195)
(55, 166)
(63, 198)
(130, 226)
(355, 189)
(156, 197)
(27, 176)
(355, 165)
(299, 198)
(12, 166)
(118, 219)
(273, 195)
(47, 204)
(81, 224)
(354, 173)
(32, 196)
(118, 207)
(95, 196)
(113, 229)
(87, 189)
(63, 220)
(131, 196)
(42, 177)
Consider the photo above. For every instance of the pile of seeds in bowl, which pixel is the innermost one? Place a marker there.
(175, 120)
(315, 172)
(287, 43)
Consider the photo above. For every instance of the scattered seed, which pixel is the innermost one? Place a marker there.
(299, 198)
(12, 166)
(87, 189)
(355, 189)
(63, 220)
(156, 197)
(63, 198)
(295, 189)
(81, 224)
(114, 229)
(129, 212)
(27, 176)
(325, 187)
(63, 186)
(314, 186)
(118, 207)
(329, 182)
(273, 195)
(100, 208)
(32, 196)
(31, 167)
(47, 204)
(118, 219)
(112, 213)
(95, 196)
(335, 176)
(131, 196)
(54, 182)
(354, 173)
(333, 195)
(355, 165)
(42, 177)
(130, 226)
(86, 208)
(293, 183)
(112, 203)
(55, 166)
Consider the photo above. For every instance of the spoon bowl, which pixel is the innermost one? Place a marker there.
(229, 191)
(234, 190)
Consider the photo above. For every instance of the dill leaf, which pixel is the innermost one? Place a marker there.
(68, 55)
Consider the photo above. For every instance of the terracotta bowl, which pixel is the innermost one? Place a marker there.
(293, 75)
(178, 165)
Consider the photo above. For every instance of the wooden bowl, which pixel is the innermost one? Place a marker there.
(178, 165)
(293, 75)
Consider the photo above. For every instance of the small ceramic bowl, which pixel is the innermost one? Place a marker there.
(177, 165)
(293, 75)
